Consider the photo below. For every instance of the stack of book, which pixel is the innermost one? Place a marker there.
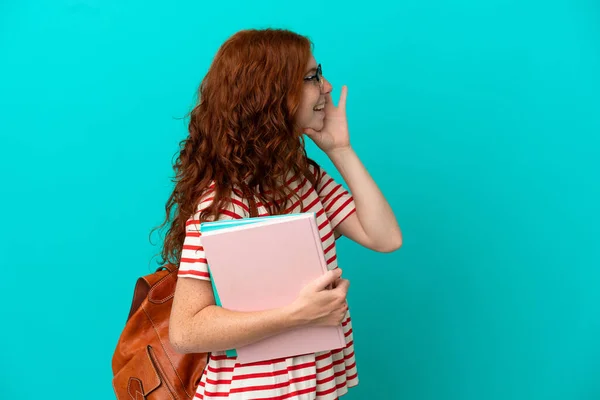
(263, 263)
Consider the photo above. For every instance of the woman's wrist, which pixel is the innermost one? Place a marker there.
(293, 316)
(338, 154)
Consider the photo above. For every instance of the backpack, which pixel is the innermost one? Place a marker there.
(145, 366)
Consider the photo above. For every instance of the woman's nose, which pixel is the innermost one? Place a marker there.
(326, 87)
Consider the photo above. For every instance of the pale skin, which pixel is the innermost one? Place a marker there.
(374, 224)
(197, 325)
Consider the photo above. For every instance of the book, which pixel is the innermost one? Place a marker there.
(263, 263)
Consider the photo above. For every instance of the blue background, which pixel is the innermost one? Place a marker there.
(479, 120)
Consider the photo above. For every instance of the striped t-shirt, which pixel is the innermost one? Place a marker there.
(324, 375)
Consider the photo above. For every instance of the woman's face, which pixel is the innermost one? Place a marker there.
(311, 112)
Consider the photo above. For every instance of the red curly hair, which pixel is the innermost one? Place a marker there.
(241, 132)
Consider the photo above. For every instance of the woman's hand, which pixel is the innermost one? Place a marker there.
(334, 135)
(318, 305)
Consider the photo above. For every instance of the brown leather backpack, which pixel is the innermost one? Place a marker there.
(145, 365)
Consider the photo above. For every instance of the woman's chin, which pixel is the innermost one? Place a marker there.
(317, 126)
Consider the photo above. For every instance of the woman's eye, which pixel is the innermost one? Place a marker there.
(311, 78)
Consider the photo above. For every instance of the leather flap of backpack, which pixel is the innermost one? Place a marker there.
(138, 375)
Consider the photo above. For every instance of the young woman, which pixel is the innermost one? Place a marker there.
(245, 157)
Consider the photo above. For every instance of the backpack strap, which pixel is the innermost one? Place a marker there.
(253, 208)
(168, 267)
(145, 283)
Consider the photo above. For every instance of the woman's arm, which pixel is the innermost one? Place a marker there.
(197, 325)
(374, 224)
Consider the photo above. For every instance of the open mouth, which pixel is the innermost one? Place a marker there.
(319, 107)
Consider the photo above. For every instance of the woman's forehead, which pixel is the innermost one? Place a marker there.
(312, 64)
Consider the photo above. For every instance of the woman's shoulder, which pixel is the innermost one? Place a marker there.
(235, 204)
(314, 167)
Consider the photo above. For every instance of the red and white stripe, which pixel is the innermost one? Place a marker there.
(323, 376)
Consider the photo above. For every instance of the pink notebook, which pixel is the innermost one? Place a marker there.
(263, 263)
